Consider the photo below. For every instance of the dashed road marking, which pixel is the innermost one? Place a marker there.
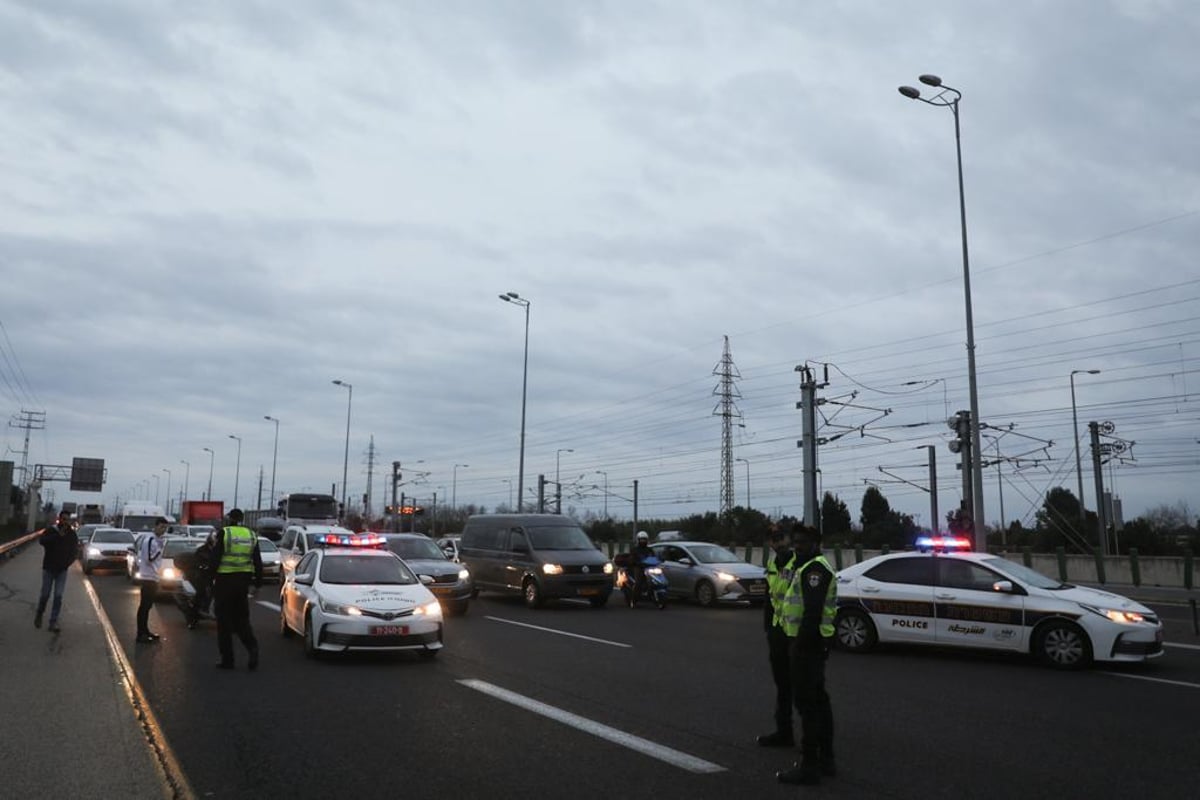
(558, 632)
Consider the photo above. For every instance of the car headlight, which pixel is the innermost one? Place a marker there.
(340, 610)
(463, 574)
(725, 576)
(654, 570)
(1116, 615)
(608, 568)
(552, 569)
(170, 573)
(432, 610)
(93, 551)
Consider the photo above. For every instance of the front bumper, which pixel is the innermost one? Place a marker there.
(1137, 645)
(742, 589)
(337, 634)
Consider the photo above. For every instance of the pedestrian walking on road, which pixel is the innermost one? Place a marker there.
(809, 608)
(61, 548)
(147, 565)
(780, 568)
(237, 562)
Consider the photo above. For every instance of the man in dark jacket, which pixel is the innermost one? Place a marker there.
(61, 546)
(781, 567)
(237, 562)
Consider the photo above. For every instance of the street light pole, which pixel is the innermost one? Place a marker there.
(948, 97)
(164, 469)
(156, 484)
(1075, 430)
(346, 455)
(237, 473)
(454, 486)
(187, 476)
(274, 457)
(558, 485)
(211, 456)
(516, 299)
(747, 463)
(509, 482)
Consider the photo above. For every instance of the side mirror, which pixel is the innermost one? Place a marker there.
(449, 551)
(687, 562)
(426, 579)
(1002, 586)
(304, 580)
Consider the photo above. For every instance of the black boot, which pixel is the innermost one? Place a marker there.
(804, 774)
(252, 663)
(776, 739)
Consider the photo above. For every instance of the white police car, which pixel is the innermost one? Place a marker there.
(348, 593)
(943, 596)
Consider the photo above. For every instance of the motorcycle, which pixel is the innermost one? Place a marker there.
(654, 586)
(185, 598)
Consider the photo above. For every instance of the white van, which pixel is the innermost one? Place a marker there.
(139, 517)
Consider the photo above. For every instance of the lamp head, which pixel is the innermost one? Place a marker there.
(909, 92)
(930, 80)
(1093, 372)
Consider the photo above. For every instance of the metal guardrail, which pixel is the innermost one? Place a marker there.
(8, 549)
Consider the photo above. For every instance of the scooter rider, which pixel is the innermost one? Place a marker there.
(641, 551)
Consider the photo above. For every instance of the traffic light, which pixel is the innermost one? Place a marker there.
(960, 423)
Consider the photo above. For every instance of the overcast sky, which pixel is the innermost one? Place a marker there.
(210, 211)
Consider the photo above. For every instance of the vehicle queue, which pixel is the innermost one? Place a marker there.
(938, 594)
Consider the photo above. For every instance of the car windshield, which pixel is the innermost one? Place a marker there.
(173, 547)
(1024, 574)
(415, 548)
(112, 535)
(267, 546)
(352, 569)
(558, 537)
(200, 530)
(712, 554)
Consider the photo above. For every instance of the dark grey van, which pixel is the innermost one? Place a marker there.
(540, 556)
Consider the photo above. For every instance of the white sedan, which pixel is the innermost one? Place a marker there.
(346, 595)
(977, 600)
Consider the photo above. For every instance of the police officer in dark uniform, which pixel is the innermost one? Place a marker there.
(780, 567)
(237, 562)
(808, 611)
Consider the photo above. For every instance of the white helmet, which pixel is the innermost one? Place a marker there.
(642, 536)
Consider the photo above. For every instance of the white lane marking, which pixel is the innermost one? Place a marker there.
(560, 633)
(1183, 646)
(268, 604)
(1153, 680)
(645, 746)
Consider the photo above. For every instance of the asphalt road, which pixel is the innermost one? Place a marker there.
(569, 701)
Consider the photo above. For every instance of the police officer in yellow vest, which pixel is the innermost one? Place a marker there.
(809, 606)
(780, 568)
(236, 561)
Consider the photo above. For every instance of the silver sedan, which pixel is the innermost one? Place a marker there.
(709, 573)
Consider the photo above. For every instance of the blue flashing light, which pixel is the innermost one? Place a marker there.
(350, 540)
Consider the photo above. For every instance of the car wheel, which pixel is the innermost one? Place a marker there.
(706, 595)
(1063, 645)
(284, 630)
(599, 602)
(854, 631)
(533, 594)
(310, 637)
(474, 593)
(87, 568)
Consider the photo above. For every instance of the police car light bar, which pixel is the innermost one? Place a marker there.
(350, 540)
(943, 543)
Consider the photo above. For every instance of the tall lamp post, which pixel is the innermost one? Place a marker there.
(187, 476)
(1075, 430)
(346, 455)
(274, 457)
(211, 456)
(516, 299)
(164, 469)
(948, 97)
(454, 486)
(509, 482)
(156, 484)
(747, 463)
(237, 472)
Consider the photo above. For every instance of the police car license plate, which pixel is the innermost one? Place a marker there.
(756, 588)
(588, 590)
(389, 630)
